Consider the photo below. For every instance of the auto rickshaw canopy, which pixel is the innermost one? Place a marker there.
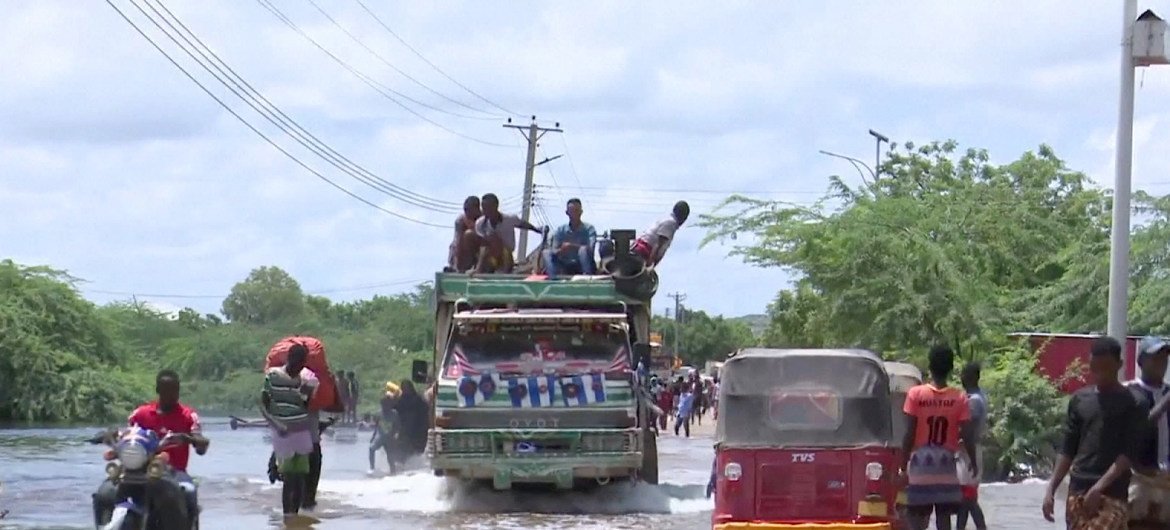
(774, 398)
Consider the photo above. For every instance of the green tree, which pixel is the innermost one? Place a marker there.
(56, 359)
(267, 296)
(937, 251)
(704, 338)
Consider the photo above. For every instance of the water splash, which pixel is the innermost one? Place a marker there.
(424, 493)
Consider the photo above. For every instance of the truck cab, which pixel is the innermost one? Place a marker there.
(535, 382)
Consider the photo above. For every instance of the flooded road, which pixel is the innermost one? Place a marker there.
(47, 475)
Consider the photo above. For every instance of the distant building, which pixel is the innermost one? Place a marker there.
(1057, 352)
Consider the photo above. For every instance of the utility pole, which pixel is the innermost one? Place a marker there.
(678, 318)
(877, 156)
(532, 133)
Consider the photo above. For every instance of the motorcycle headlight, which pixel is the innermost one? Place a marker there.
(113, 470)
(133, 456)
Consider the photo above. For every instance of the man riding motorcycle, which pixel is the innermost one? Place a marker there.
(167, 415)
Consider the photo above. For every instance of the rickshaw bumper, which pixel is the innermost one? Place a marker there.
(803, 526)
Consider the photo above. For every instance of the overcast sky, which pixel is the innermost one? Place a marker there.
(116, 167)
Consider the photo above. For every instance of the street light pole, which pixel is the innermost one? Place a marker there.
(877, 156)
(1122, 185)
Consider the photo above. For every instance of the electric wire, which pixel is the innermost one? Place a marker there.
(252, 97)
(378, 87)
(253, 128)
(396, 69)
(432, 65)
(572, 166)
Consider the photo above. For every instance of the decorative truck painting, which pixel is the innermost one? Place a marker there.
(535, 382)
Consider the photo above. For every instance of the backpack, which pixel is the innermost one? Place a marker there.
(327, 398)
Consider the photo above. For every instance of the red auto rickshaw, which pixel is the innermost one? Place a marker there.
(903, 377)
(805, 440)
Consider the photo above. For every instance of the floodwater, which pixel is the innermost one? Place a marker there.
(47, 475)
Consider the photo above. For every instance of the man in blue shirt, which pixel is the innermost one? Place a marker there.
(571, 249)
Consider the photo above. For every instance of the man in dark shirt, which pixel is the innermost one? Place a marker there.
(1100, 438)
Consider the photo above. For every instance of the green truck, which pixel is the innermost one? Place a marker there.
(536, 382)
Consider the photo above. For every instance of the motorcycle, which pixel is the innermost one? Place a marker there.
(140, 483)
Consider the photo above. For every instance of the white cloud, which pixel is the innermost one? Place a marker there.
(116, 167)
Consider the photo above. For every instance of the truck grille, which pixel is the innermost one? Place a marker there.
(544, 444)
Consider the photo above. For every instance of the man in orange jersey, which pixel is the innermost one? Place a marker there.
(938, 421)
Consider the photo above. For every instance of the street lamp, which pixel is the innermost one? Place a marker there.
(1143, 44)
(877, 156)
(857, 164)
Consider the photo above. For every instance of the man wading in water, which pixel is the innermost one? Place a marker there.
(284, 403)
(1099, 440)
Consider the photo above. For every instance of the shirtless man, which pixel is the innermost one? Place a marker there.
(465, 245)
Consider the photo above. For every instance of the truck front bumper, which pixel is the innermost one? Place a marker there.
(553, 456)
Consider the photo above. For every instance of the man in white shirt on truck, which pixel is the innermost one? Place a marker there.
(652, 244)
(498, 232)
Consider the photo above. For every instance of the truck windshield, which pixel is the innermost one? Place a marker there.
(535, 347)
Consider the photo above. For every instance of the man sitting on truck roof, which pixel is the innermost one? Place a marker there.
(498, 232)
(571, 251)
(461, 254)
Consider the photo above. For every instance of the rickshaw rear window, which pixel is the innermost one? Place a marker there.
(812, 407)
(825, 400)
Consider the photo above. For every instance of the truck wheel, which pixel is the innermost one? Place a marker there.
(650, 458)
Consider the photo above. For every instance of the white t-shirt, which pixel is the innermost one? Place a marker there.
(506, 229)
(664, 228)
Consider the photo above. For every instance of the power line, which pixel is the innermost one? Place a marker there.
(251, 127)
(269, 111)
(273, 114)
(572, 166)
(415, 281)
(396, 69)
(712, 191)
(432, 65)
(378, 87)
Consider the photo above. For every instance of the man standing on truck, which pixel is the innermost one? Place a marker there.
(498, 232)
(571, 251)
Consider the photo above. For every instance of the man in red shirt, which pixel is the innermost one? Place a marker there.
(167, 415)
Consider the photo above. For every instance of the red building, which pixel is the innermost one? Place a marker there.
(1057, 352)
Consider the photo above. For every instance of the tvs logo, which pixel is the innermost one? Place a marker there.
(804, 458)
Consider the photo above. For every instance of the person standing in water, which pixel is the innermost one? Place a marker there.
(343, 394)
(686, 404)
(284, 402)
(355, 397)
(388, 430)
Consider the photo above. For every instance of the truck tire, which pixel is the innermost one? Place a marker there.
(650, 458)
